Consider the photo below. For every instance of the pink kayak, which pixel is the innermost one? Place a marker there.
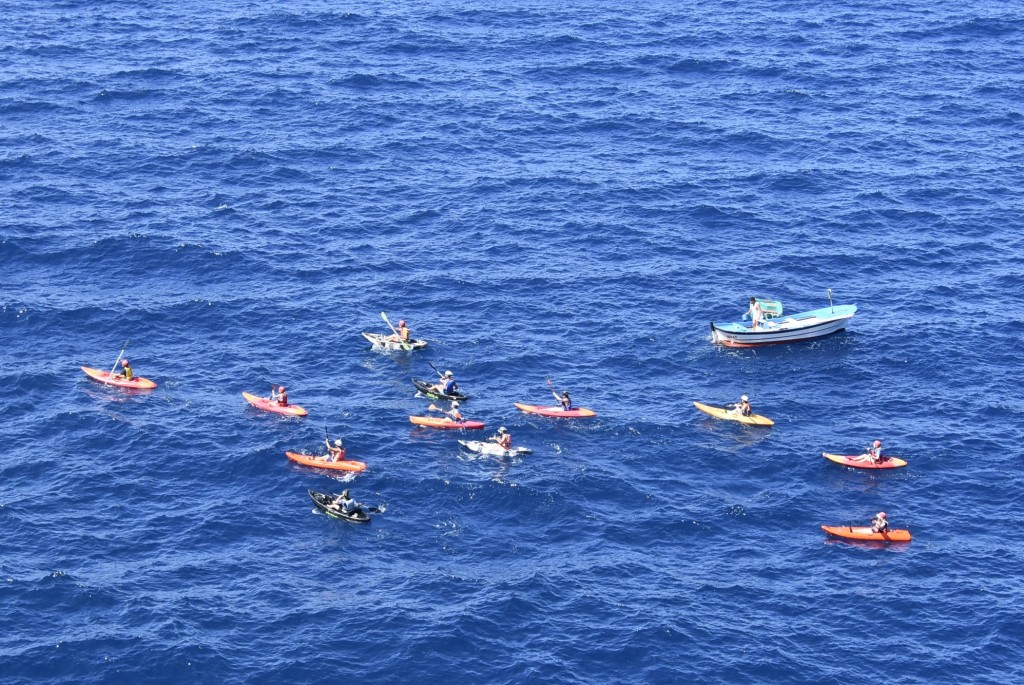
(554, 411)
(434, 422)
(267, 405)
(323, 463)
(863, 461)
(117, 379)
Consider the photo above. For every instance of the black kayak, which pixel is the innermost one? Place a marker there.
(429, 390)
(323, 499)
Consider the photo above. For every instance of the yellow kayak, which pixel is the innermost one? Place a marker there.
(730, 415)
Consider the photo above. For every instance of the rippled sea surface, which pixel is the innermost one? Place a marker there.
(543, 190)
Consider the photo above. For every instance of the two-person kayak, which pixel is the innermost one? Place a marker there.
(116, 379)
(322, 462)
(267, 404)
(730, 415)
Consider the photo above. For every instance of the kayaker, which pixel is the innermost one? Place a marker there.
(563, 400)
(345, 504)
(743, 407)
(126, 370)
(447, 384)
(880, 524)
(755, 313)
(402, 336)
(280, 396)
(875, 452)
(335, 451)
(454, 414)
(503, 438)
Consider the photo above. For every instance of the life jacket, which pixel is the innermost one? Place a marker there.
(404, 334)
(505, 441)
(282, 399)
(128, 373)
(745, 409)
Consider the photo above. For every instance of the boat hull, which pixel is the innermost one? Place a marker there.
(729, 415)
(380, 340)
(865, 533)
(795, 328)
(860, 461)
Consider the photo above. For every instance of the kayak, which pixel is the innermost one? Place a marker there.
(322, 463)
(138, 382)
(267, 405)
(866, 533)
(729, 415)
(322, 500)
(862, 461)
(493, 449)
(435, 422)
(428, 389)
(554, 411)
(381, 340)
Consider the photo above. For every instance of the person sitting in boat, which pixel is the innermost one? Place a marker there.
(346, 504)
(755, 313)
(336, 451)
(880, 524)
(743, 407)
(874, 452)
(563, 400)
(447, 384)
(280, 396)
(454, 414)
(503, 438)
(126, 370)
(402, 336)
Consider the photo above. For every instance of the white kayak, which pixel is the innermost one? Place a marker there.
(492, 448)
(381, 340)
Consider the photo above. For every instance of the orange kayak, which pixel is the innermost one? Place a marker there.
(322, 463)
(866, 533)
(267, 405)
(106, 377)
(435, 422)
(862, 461)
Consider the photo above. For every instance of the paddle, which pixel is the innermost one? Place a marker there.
(439, 374)
(111, 374)
(405, 346)
(830, 301)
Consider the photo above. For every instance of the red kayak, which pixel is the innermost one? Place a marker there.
(863, 461)
(265, 404)
(434, 422)
(117, 379)
(555, 411)
(323, 463)
(867, 533)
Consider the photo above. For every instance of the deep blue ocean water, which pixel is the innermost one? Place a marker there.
(566, 191)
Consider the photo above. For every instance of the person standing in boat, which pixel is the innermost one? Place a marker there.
(335, 452)
(126, 370)
(404, 335)
(563, 400)
(880, 524)
(755, 313)
(503, 439)
(743, 407)
(280, 396)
